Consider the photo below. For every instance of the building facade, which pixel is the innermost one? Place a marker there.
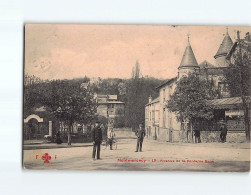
(110, 108)
(171, 130)
(152, 118)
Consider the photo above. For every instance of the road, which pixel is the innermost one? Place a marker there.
(156, 156)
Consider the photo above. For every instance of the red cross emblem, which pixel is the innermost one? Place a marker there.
(46, 157)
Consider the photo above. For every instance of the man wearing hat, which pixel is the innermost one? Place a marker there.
(140, 137)
(97, 140)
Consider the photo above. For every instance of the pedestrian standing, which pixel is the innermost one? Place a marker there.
(58, 138)
(223, 130)
(140, 137)
(197, 136)
(110, 135)
(97, 140)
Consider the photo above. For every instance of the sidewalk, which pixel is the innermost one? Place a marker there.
(203, 144)
(53, 145)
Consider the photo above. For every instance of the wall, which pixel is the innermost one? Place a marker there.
(185, 71)
(220, 61)
(168, 121)
(163, 134)
(214, 136)
(102, 110)
(152, 120)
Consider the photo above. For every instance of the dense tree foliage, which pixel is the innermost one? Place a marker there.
(238, 77)
(134, 92)
(138, 91)
(189, 99)
(65, 99)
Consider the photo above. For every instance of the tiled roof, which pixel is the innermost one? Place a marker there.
(227, 102)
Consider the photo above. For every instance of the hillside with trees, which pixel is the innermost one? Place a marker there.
(134, 92)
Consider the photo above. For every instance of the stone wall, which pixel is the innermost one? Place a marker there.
(214, 136)
(238, 137)
(176, 135)
(210, 136)
(163, 134)
(183, 136)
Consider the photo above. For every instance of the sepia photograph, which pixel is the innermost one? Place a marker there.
(136, 97)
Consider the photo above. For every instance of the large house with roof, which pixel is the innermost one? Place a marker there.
(225, 107)
(110, 107)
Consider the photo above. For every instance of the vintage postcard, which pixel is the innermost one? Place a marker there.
(137, 97)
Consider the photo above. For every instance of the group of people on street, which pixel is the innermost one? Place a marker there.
(97, 138)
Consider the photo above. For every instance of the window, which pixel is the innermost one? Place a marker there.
(169, 91)
(164, 95)
(153, 116)
(164, 117)
(80, 129)
(223, 89)
(157, 116)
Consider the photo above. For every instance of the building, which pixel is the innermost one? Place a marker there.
(171, 130)
(168, 125)
(110, 108)
(152, 118)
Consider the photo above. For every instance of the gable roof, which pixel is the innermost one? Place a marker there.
(156, 100)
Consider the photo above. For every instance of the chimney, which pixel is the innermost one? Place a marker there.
(238, 35)
(247, 37)
(150, 99)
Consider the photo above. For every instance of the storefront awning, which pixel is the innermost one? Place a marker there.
(227, 103)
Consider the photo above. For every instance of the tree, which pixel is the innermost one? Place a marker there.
(69, 103)
(137, 93)
(119, 120)
(188, 101)
(134, 92)
(136, 71)
(238, 77)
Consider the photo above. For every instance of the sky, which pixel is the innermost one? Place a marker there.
(66, 51)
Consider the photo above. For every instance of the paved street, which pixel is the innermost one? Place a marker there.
(156, 156)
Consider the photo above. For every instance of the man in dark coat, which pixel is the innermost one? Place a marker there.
(197, 136)
(140, 137)
(223, 129)
(58, 138)
(97, 140)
